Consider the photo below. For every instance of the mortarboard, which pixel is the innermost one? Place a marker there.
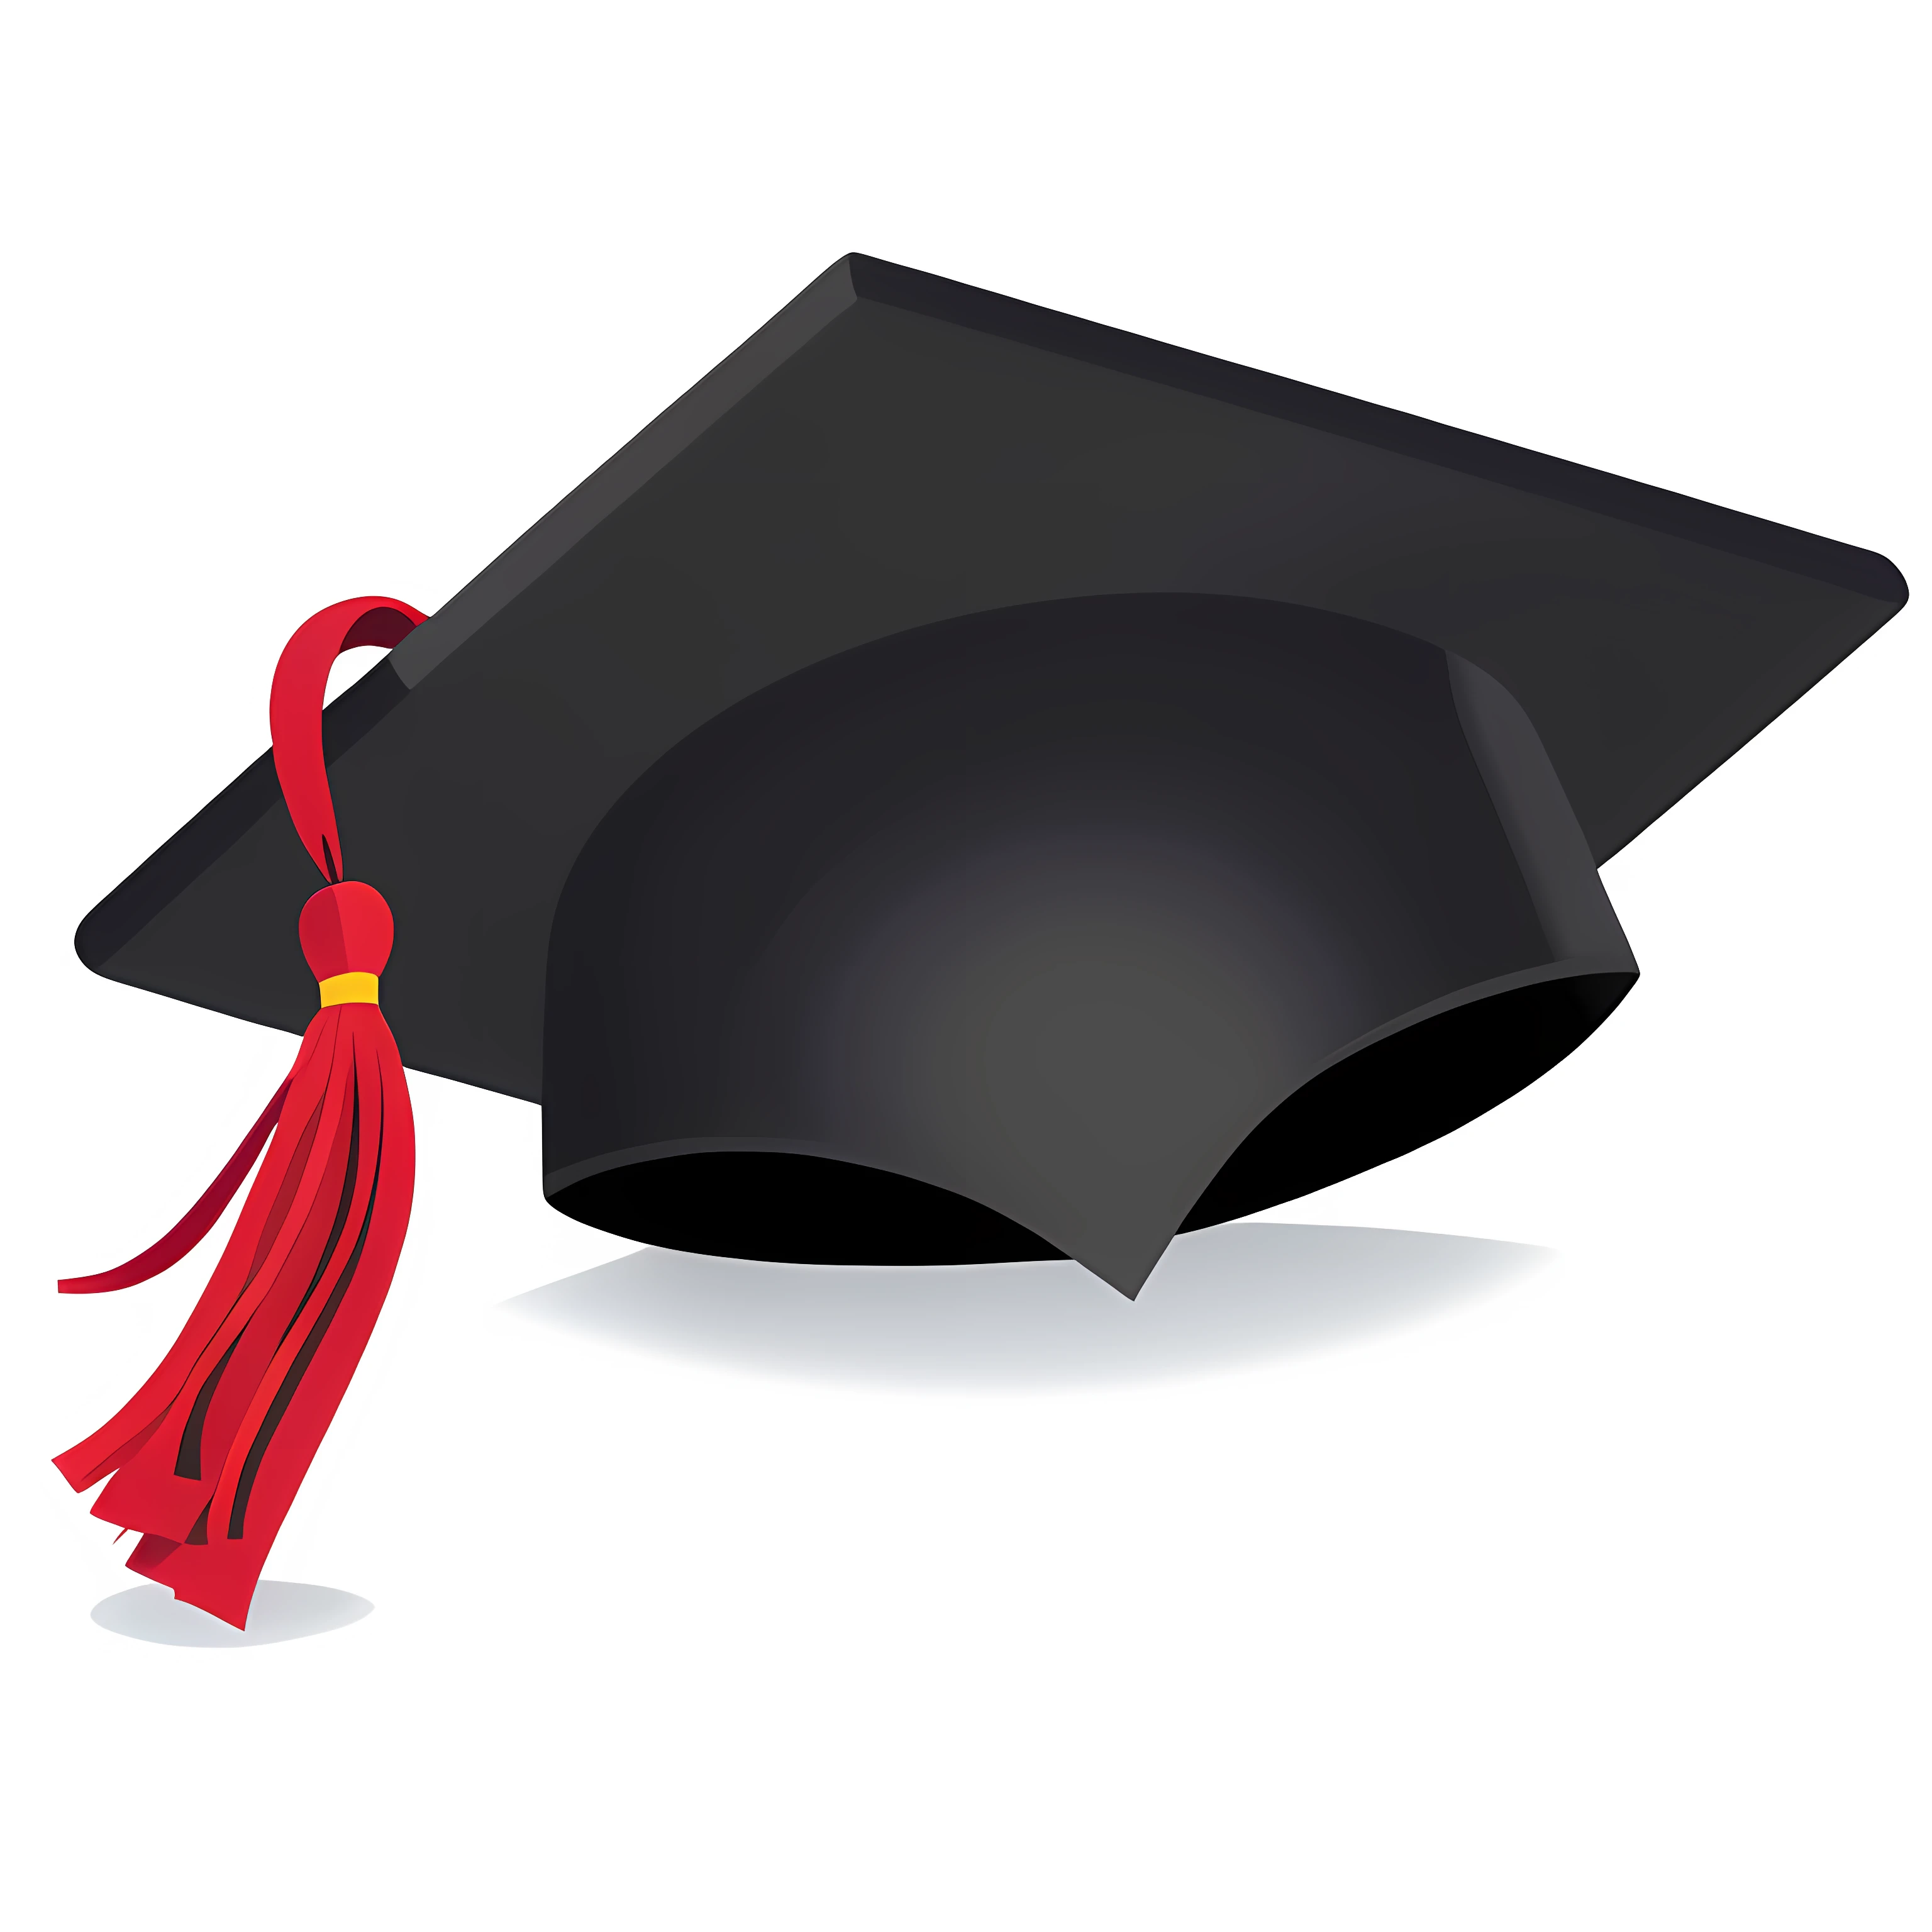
(965, 784)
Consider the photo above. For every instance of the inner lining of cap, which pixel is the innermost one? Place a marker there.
(1406, 1091)
(1398, 1094)
(764, 1207)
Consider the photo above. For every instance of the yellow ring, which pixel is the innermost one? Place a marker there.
(350, 989)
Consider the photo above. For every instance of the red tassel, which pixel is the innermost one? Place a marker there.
(207, 1456)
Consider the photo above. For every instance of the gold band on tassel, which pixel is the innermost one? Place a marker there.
(350, 989)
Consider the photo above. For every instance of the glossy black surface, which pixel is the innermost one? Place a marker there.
(1053, 909)
(895, 449)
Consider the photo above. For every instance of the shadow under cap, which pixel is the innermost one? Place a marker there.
(1228, 1299)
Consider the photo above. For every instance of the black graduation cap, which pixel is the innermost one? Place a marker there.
(967, 783)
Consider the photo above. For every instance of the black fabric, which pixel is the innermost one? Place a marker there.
(895, 450)
(1044, 909)
(1385, 1100)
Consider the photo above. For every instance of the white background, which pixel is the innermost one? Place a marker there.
(1368, 1580)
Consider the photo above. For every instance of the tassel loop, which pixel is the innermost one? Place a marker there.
(294, 712)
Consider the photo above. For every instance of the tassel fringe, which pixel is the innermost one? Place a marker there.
(207, 1457)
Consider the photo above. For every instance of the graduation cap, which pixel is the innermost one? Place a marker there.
(968, 783)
